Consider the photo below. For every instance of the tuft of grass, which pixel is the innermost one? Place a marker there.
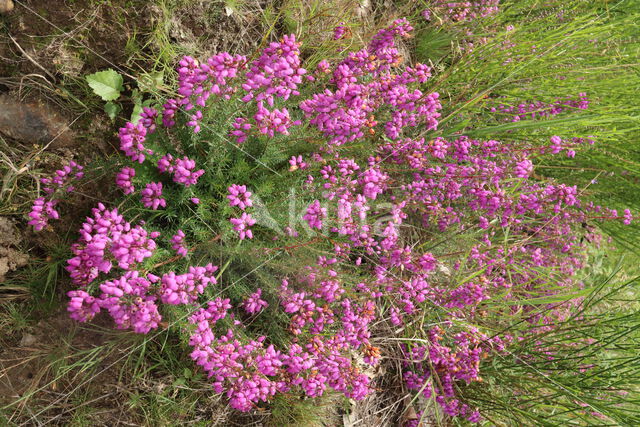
(290, 410)
(560, 49)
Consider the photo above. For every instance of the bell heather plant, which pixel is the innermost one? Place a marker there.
(397, 221)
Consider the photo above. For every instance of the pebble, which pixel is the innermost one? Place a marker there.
(6, 6)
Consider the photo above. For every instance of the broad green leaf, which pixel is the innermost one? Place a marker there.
(106, 84)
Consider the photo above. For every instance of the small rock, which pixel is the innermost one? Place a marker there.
(444, 270)
(28, 340)
(10, 259)
(6, 6)
(8, 233)
(33, 123)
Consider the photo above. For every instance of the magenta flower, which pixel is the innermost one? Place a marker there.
(43, 208)
(185, 288)
(324, 67)
(270, 122)
(123, 179)
(106, 237)
(129, 303)
(152, 196)
(239, 196)
(539, 109)
(241, 130)
(183, 170)
(168, 113)
(165, 164)
(387, 204)
(41, 212)
(148, 119)
(296, 163)
(242, 224)
(339, 31)
(523, 168)
(178, 244)
(82, 307)
(254, 304)
(132, 138)
(315, 214)
(276, 73)
(195, 121)
(62, 178)
(556, 144)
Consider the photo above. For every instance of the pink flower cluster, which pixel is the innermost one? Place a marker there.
(240, 197)
(132, 138)
(296, 163)
(82, 307)
(558, 145)
(270, 122)
(148, 118)
(151, 196)
(340, 31)
(434, 368)
(468, 10)
(62, 179)
(276, 73)
(254, 303)
(106, 238)
(43, 208)
(242, 225)
(178, 244)
(444, 184)
(241, 130)
(364, 83)
(253, 372)
(198, 81)
(129, 303)
(185, 288)
(315, 214)
(124, 179)
(130, 299)
(540, 109)
(42, 211)
(183, 170)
